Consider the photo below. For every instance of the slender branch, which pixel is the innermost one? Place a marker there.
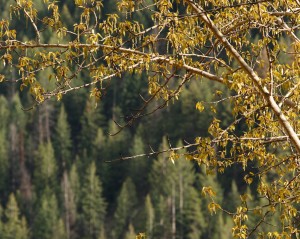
(38, 38)
(153, 56)
(264, 140)
(251, 73)
(259, 223)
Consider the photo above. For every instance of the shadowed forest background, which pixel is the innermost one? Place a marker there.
(56, 183)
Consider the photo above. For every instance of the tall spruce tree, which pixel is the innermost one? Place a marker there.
(4, 163)
(130, 234)
(93, 206)
(125, 210)
(209, 180)
(177, 203)
(62, 139)
(45, 172)
(17, 123)
(232, 200)
(74, 196)
(139, 168)
(47, 222)
(115, 147)
(15, 226)
(1, 223)
(147, 217)
(91, 119)
(69, 205)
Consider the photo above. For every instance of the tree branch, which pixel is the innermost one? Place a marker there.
(251, 73)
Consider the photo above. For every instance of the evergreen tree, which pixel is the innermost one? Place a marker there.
(178, 213)
(70, 207)
(130, 234)
(15, 227)
(99, 144)
(98, 153)
(232, 200)
(93, 206)
(62, 139)
(147, 217)
(1, 223)
(212, 229)
(47, 223)
(116, 146)
(225, 223)
(74, 196)
(45, 173)
(75, 183)
(125, 210)
(90, 121)
(4, 163)
(16, 134)
(4, 112)
(139, 168)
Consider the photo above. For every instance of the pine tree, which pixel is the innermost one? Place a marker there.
(178, 213)
(16, 133)
(15, 227)
(99, 144)
(70, 207)
(74, 196)
(146, 218)
(4, 164)
(212, 229)
(62, 139)
(75, 183)
(1, 223)
(130, 234)
(45, 173)
(93, 205)
(47, 223)
(115, 147)
(232, 200)
(4, 112)
(90, 121)
(139, 168)
(125, 209)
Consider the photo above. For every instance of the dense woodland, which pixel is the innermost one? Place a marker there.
(56, 178)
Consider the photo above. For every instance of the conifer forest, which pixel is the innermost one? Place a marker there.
(157, 119)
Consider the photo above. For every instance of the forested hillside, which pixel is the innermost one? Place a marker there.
(56, 183)
(64, 171)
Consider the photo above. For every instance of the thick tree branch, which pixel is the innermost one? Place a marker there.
(251, 73)
(153, 57)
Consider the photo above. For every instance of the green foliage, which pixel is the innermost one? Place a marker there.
(138, 169)
(17, 116)
(15, 226)
(4, 164)
(212, 199)
(93, 205)
(45, 172)
(149, 216)
(130, 233)
(63, 143)
(177, 202)
(91, 120)
(125, 210)
(47, 223)
(232, 67)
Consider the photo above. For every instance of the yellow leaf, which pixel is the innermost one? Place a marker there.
(59, 96)
(199, 106)
(2, 77)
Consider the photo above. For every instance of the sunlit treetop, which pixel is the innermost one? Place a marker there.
(250, 47)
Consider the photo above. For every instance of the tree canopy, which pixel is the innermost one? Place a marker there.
(248, 50)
